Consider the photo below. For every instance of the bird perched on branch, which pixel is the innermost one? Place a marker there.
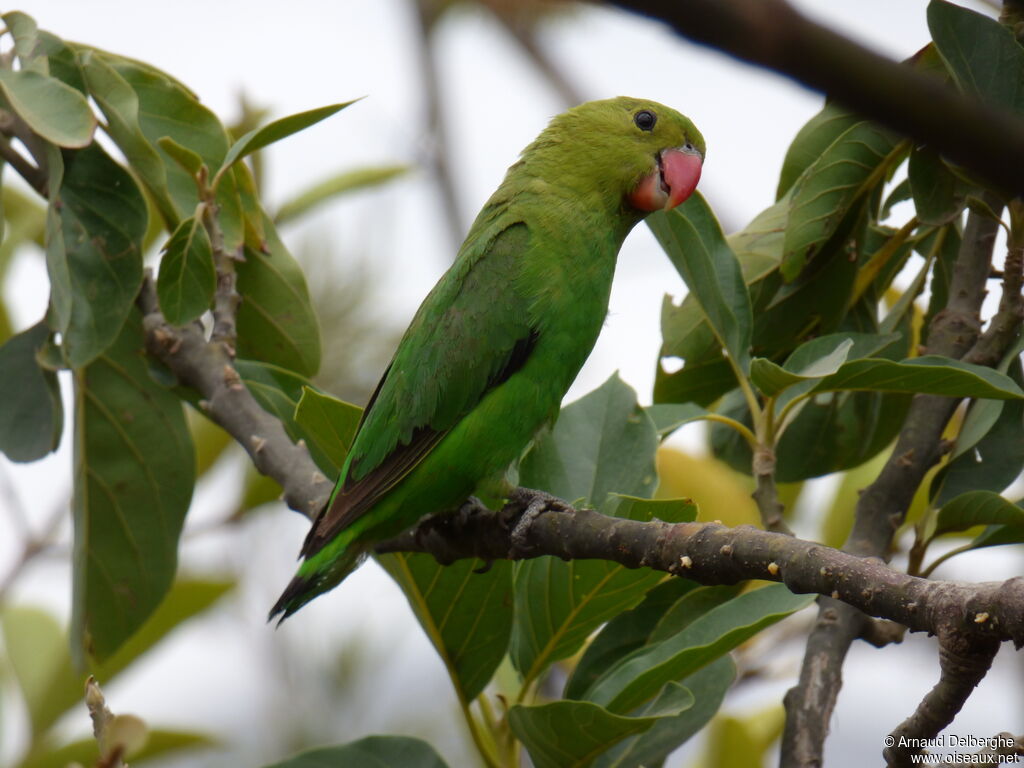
(498, 341)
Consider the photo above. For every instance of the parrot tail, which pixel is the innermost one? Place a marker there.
(319, 574)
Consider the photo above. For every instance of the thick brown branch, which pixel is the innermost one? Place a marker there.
(964, 661)
(882, 507)
(711, 553)
(206, 367)
(770, 33)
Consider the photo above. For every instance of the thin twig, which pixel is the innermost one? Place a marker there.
(226, 298)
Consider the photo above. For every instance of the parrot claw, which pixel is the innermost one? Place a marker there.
(488, 564)
(534, 504)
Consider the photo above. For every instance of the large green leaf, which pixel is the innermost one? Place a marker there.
(693, 240)
(37, 646)
(120, 105)
(771, 378)
(330, 426)
(624, 634)
(467, 615)
(131, 493)
(811, 141)
(371, 752)
(258, 138)
(641, 675)
(51, 108)
(276, 322)
(94, 250)
(571, 734)
(830, 189)
(938, 194)
(602, 443)
(983, 55)
(187, 280)
(978, 508)
(931, 374)
(37, 649)
(708, 686)
(991, 464)
(559, 604)
(31, 411)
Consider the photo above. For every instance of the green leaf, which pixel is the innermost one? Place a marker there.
(187, 279)
(131, 493)
(37, 649)
(559, 604)
(639, 676)
(330, 425)
(186, 599)
(823, 356)
(25, 33)
(372, 752)
(831, 188)
(624, 633)
(992, 464)
(466, 615)
(335, 186)
(570, 734)
(53, 109)
(938, 196)
(276, 321)
(602, 443)
(189, 161)
(280, 391)
(978, 508)
(931, 374)
(120, 105)
(31, 411)
(708, 686)
(771, 379)
(811, 141)
(37, 646)
(982, 55)
(258, 138)
(94, 250)
(159, 743)
(693, 240)
(669, 417)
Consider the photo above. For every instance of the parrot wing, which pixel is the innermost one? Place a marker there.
(470, 335)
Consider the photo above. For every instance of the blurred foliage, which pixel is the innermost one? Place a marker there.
(799, 338)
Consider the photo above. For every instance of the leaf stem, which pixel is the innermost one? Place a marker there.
(749, 436)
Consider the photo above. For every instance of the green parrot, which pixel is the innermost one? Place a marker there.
(496, 344)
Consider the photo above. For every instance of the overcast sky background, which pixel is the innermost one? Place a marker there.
(226, 673)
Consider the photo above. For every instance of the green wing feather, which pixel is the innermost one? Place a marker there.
(471, 333)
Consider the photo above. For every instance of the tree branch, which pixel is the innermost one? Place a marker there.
(711, 553)
(964, 662)
(771, 34)
(206, 367)
(882, 506)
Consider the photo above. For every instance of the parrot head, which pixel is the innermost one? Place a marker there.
(643, 155)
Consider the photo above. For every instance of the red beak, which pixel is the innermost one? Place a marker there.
(674, 180)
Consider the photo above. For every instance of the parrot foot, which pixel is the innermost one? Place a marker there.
(534, 504)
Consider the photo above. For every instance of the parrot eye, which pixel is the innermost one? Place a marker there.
(645, 120)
